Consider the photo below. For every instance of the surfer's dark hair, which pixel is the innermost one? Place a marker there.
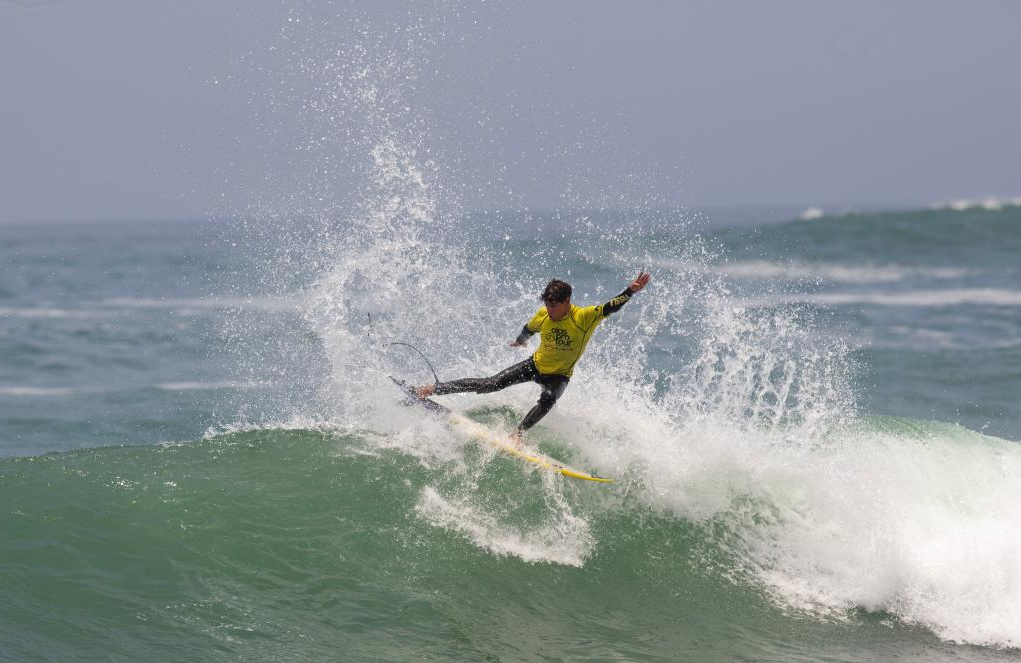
(556, 291)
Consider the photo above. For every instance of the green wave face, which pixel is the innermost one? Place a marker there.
(292, 544)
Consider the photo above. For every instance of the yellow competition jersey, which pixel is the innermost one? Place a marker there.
(562, 343)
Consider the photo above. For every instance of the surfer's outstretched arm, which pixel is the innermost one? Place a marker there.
(525, 334)
(624, 297)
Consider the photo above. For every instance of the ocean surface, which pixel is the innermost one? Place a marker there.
(813, 423)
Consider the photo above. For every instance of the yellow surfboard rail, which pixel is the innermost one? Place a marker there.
(479, 431)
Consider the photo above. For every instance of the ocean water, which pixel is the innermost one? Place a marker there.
(813, 424)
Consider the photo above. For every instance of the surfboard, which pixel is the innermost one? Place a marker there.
(474, 429)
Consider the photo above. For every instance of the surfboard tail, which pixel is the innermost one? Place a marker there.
(415, 399)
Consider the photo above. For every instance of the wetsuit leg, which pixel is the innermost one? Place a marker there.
(552, 387)
(524, 371)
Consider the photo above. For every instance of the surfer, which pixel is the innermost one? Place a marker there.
(564, 330)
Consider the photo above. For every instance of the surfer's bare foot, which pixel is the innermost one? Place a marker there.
(426, 391)
(515, 438)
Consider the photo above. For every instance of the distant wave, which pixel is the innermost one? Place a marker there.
(823, 271)
(201, 386)
(43, 392)
(105, 307)
(262, 303)
(990, 203)
(912, 298)
(37, 391)
(762, 269)
(36, 313)
(812, 213)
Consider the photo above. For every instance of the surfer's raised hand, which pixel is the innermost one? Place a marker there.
(640, 281)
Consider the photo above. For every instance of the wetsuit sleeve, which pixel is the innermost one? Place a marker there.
(525, 334)
(614, 305)
(531, 327)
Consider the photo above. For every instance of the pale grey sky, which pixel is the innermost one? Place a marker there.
(128, 109)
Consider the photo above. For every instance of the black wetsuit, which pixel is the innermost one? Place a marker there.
(553, 384)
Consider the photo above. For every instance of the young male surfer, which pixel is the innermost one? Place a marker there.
(564, 331)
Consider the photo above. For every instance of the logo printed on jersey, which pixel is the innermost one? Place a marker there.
(559, 337)
(620, 300)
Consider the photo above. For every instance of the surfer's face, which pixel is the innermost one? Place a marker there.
(558, 310)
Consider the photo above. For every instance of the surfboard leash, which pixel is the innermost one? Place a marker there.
(421, 354)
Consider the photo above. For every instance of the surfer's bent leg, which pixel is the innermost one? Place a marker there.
(521, 372)
(552, 387)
